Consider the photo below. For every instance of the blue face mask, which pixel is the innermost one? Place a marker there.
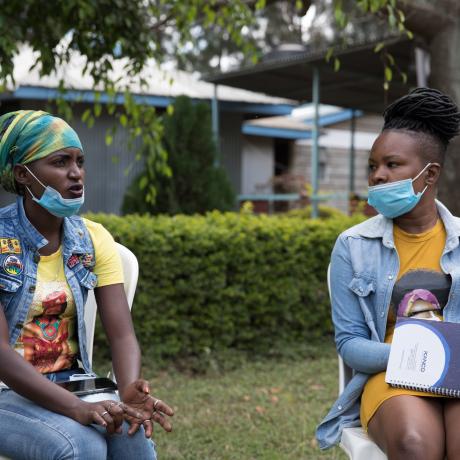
(395, 198)
(53, 201)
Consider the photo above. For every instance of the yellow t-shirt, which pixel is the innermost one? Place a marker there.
(49, 339)
(421, 290)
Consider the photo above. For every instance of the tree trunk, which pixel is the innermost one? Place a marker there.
(445, 76)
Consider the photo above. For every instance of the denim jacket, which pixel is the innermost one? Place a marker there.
(364, 268)
(19, 257)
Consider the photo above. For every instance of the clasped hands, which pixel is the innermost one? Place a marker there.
(137, 407)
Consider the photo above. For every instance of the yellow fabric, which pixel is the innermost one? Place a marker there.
(108, 264)
(415, 251)
(49, 339)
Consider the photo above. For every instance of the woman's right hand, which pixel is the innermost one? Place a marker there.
(109, 414)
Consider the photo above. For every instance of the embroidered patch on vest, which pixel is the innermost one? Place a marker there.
(10, 246)
(87, 260)
(73, 260)
(13, 265)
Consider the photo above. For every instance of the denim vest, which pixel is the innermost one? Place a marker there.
(364, 269)
(19, 257)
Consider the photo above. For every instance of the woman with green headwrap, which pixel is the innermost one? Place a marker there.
(49, 259)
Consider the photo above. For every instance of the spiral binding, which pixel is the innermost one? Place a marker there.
(450, 393)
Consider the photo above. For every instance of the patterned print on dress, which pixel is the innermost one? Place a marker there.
(48, 337)
(421, 294)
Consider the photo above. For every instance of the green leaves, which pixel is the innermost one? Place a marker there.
(339, 14)
(329, 55)
(105, 31)
(385, 8)
(390, 67)
(123, 120)
(97, 109)
(379, 47)
(108, 138)
(388, 77)
(336, 64)
(388, 74)
(396, 22)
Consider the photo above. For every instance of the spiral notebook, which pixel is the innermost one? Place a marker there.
(425, 356)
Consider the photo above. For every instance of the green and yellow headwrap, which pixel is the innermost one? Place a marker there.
(28, 135)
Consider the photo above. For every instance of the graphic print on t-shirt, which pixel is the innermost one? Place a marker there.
(421, 294)
(48, 337)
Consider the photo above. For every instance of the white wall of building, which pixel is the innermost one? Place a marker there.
(257, 165)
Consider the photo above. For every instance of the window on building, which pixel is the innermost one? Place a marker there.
(282, 148)
(282, 151)
(323, 166)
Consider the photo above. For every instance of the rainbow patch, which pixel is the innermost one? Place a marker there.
(13, 265)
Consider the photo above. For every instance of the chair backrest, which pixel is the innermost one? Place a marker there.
(130, 274)
(345, 372)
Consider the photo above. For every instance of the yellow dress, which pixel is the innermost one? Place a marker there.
(421, 290)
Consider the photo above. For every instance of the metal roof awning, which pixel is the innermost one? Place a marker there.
(283, 127)
(296, 126)
(358, 84)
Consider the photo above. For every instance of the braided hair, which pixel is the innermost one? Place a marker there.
(428, 114)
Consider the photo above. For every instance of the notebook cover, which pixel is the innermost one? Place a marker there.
(425, 355)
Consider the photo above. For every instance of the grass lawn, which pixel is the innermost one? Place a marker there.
(263, 410)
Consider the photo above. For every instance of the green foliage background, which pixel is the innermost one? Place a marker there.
(195, 184)
(227, 280)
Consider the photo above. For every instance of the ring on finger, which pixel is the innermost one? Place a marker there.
(158, 413)
(103, 413)
(155, 404)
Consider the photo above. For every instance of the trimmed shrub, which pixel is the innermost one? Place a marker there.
(324, 212)
(227, 280)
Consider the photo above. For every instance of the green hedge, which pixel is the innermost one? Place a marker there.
(227, 280)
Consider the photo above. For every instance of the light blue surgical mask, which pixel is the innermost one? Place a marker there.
(395, 198)
(53, 201)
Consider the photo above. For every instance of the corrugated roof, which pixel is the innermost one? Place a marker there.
(358, 84)
(160, 82)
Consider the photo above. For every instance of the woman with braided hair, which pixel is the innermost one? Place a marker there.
(403, 262)
(49, 259)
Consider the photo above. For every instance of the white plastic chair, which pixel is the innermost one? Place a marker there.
(354, 441)
(130, 274)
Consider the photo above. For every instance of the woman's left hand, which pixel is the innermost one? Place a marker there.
(137, 395)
